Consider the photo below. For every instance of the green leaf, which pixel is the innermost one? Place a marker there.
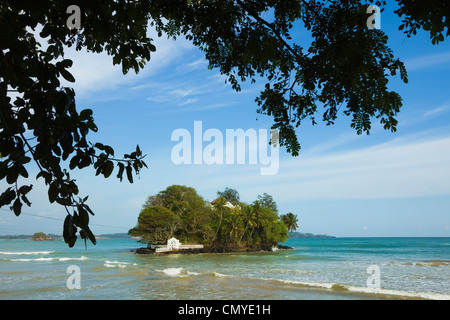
(92, 126)
(129, 174)
(69, 231)
(86, 114)
(83, 236)
(46, 175)
(3, 168)
(17, 207)
(88, 209)
(7, 197)
(67, 75)
(121, 169)
(11, 175)
(66, 63)
(109, 150)
(25, 189)
(138, 151)
(84, 217)
(108, 169)
(90, 235)
(22, 171)
(64, 201)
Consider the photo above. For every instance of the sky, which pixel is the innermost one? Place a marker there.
(379, 185)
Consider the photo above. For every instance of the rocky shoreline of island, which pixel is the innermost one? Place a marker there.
(214, 249)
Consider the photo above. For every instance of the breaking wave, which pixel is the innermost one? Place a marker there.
(115, 264)
(47, 259)
(178, 272)
(344, 288)
(25, 252)
(428, 263)
(378, 292)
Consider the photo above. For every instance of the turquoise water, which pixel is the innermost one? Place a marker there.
(417, 268)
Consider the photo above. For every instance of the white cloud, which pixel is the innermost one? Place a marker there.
(437, 111)
(391, 170)
(95, 72)
(428, 61)
(201, 63)
(181, 93)
(189, 101)
(404, 168)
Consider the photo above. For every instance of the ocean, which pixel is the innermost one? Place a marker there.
(316, 269)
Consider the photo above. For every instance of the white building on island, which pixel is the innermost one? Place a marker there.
(227, 204)
(174, 244)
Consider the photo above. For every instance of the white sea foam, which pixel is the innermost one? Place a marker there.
(174, 271)
(429, 263)
(178, 272)
(221, 275)
(354, 289)
(400, 293)
(115, 264)
(48, 259)
(324, 285)
(366, 290)
(25, 252)
(82, 258)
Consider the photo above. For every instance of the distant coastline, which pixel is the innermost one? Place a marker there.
(57, 237)
(298, 235)
(293, 235)
(43, 239)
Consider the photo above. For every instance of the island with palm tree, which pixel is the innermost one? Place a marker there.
(223, 225)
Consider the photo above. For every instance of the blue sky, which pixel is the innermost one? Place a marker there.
(342, 184)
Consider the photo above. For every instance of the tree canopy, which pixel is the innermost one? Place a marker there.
(40, 121)
(231, 195)
(39, 236)
(156, 225)
(346, 68)
(266, 200)
(290, 220)
(214, 225)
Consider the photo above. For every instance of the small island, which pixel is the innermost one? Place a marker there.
(178, 220)
(40, 236)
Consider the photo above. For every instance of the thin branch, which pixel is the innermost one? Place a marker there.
(270, 26)
(31, 150)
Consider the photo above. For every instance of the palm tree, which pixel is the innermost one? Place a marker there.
(249, 220)
(234, 225)
(219, 206)
(290, 220)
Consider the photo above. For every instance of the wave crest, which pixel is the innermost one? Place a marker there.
(47, 259)
(18, 253)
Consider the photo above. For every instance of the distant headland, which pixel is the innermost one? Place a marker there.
(297, 235)
(58, 237)
(40, 236)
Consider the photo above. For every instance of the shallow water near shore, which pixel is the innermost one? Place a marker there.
(409, 268)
